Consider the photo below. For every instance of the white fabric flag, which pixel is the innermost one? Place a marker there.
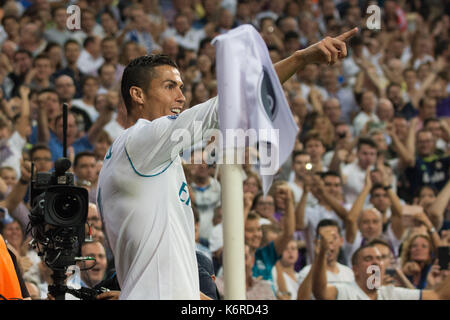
(252, 105)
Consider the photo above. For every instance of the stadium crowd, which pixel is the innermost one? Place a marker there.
(371, 164)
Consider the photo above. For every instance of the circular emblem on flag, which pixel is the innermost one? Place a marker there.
(268, 96)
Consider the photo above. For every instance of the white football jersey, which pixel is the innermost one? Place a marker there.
(145, 205)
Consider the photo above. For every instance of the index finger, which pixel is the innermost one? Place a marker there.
(347, 35)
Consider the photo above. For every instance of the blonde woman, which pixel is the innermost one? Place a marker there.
(417, 259)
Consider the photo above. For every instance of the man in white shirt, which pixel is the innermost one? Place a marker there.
(336, 272)
(183, 33)
(367, 114)
(368, 269)
(328, 191)
(301, 163)
(366, 224)
(354, 173)
(143, 195)
(90, 59)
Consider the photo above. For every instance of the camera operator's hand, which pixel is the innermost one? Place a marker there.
(109, 295)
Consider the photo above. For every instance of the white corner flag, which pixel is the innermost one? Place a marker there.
(252, 105)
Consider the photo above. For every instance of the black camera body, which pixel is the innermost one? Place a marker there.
(57, 220)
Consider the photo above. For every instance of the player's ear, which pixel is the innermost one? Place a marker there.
(137, 95)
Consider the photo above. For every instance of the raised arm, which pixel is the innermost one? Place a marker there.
(437, 209)
(406, 157)
(334, 203)
(328, 50)
(411, 141)
(422, 218)
(351, 224)
(442, 292)
(300, 208)
(287, 233)
(396, 207)
(305, 289)
(23, 123)
(320, 287)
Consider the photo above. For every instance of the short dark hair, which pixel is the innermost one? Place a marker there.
(392, 84)
(41, 56)
(8, 17)
(71, 41)
(379, 241)
(37, 147)
(327, 223)
(85, 78)
(49, 90)
(88, 40)
(108, 38)
(376, 186)
(297, 153)
(139, 73)
(428, 120)
(82, 154)
(356, 253)
(366, 141)
(330, 173)
(24, 51)
(312, 135)
(105, 64)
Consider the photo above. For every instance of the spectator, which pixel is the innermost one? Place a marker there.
(315, 147)
(336, 272)
(65, 88)
(417, 259)
(58, 32)
(265, 207)
(365, 257)
(21, 68)
(107, 79)
(436, 168)
(72, 50)
(84, 168)
(207, 192)
(256, 288)
(90, 86)
(95, 272)
(41, 156)
(138, 29)
(327, 189)
(14, 134)
(332, 109)
(367, 114)
(365, 225)
(90, 59)
(27, 258)
(266, 257)
(110, 53)
(185, 35)
(354, 173)
(41, 72)
(31, 38)
(284, 274)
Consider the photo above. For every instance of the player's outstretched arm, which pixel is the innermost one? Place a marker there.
(328, 50)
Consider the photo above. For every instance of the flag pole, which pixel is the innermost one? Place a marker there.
(233, 230)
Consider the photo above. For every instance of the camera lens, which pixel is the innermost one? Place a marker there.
(66, 206)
